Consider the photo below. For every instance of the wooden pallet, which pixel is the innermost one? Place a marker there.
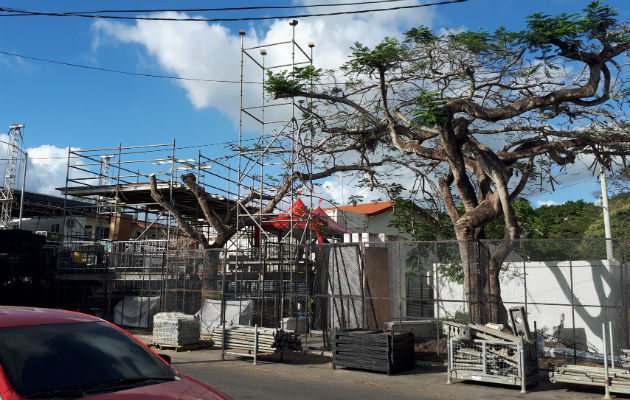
(380, 351)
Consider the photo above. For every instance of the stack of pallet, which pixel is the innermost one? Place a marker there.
(242, 337)
(374, 350)
(175, 330)
(625, 358)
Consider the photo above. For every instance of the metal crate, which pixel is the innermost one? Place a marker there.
(495, 361)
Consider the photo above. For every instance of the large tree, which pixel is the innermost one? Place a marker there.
(478, 112)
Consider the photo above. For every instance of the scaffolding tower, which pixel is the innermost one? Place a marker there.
(276, 273)
(280, 129)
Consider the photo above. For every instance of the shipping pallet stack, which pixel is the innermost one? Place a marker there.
(487, 354)
(374, 350)
(176, 331)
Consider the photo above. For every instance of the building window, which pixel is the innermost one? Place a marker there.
(54, 228)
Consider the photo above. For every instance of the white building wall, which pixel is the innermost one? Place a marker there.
(596, 287)
(380, 224)
(353, 221)
(50, 224)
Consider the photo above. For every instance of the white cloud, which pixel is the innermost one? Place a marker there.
(211, 51)
(547, 203)
(339, 189)
(46, 169)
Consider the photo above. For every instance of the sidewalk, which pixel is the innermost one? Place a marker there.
(418, 383)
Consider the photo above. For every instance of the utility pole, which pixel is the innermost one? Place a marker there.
(6, 192)
(607, 230)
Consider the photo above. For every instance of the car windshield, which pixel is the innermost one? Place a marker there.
(76, 360)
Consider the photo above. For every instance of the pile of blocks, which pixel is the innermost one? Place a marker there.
(175, 329)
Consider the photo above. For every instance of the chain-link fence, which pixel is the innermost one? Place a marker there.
(568, 287)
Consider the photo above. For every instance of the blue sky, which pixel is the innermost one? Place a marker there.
(63, 106)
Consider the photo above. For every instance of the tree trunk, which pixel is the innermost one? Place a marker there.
(497, 313)
(211, 263)
(482, 286)
(474, 278)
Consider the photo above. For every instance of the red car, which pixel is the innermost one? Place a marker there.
(56, 354)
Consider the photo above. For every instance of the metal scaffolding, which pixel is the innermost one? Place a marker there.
(271, 266)
(271, 270)
(118, 241)
(14, 147)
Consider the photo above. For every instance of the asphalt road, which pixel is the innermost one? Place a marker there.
(242, 380)
(313, 378)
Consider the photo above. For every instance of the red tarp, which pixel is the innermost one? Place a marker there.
(297, 215)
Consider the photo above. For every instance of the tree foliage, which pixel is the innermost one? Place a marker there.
(474, 116)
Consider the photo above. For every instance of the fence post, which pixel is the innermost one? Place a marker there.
(573, 312)
(612, 345)
(223, 262)
(525, 283)
(449, 366)
(256, 344)
(436, 283)
(624, 289)
(606, 377)
(523, 373)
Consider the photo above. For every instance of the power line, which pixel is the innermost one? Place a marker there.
(20, 12)
(147, 75)
(141, 74)
(248, 8)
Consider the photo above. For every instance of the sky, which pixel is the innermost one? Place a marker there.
(63, 106)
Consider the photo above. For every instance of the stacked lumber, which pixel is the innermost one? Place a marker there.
(625, 358)
(374, 350)
(242, 337)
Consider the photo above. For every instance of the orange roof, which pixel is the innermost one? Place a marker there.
(369, 209)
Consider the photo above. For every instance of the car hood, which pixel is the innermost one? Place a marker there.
(184, 389)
